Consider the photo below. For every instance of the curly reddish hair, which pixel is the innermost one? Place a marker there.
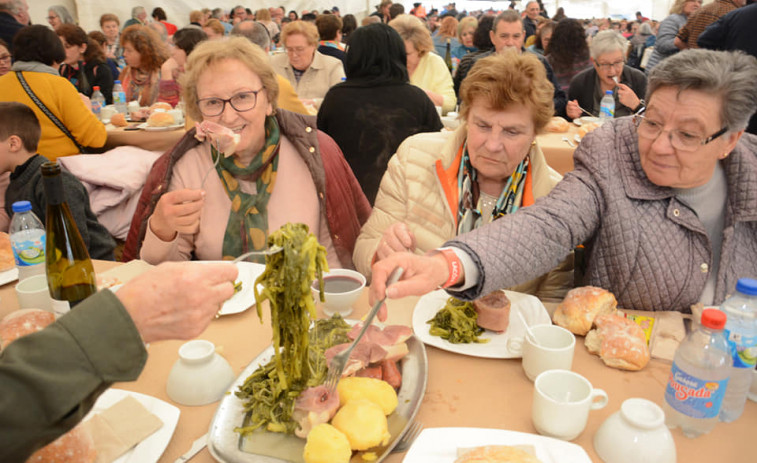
(146, 41)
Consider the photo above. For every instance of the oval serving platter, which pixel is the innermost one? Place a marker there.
(228, 446)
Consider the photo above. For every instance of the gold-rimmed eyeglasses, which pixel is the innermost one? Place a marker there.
(679, 139)
(241, 102)
(296, 50)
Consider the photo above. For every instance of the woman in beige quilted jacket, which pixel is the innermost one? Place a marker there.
(441, 184)
(665, 202)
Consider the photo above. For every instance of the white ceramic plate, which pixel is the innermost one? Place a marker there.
(531, 307)
(147, 128)
(439, 445)
(8, 276)
(244, 299)
(150, 449)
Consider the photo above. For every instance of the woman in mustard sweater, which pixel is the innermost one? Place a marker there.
(37, 53)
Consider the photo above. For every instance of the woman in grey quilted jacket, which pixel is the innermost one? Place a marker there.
(666, 203)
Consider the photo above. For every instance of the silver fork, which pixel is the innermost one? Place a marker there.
(213, 167)
(409, 437)
(265, 252)
(336, 367)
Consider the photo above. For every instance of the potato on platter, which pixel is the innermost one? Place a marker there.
(326, 444)
(375, 390)
(364, 424)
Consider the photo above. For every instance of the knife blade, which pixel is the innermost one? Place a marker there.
(197, 445)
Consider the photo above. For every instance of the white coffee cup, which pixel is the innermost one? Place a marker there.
(562, 400)
(107, 112)
(178, 115)
(553, 349)
(32, 293)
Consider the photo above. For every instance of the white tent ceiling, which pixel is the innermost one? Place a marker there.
(89, 11)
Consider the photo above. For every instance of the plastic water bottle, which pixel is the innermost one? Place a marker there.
(98, 101)
(119, 97)
(27, 240)
(607, 106)
(741, 333)
(698, 378)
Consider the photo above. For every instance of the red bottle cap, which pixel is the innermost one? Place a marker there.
(713, 318)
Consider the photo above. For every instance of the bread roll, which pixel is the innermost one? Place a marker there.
(160, 105)
(119, 120)
(7, 261)
(497, 454)
(160, 119)
(581, 306)
(558, 125)
(76, 446)
(23, 322)
(619, 342)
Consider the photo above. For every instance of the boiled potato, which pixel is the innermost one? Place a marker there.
(364, 424)
(375, 390)
(326, 444)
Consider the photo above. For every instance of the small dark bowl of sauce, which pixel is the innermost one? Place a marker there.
(341, 288)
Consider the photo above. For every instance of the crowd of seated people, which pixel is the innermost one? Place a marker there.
(300, 64)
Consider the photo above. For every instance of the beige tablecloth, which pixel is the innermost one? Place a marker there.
(559, 154)
(461, 391)
(151, 141)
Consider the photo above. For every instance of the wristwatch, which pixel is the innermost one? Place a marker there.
(640, 107)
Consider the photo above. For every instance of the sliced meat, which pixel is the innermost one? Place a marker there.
(396, 352)
(391, 374)
(493, 311)
(388, 336)
(370, 372)
(364, 354)
(314, 406)
(223, 137)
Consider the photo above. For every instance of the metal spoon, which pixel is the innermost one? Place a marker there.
(567, 140)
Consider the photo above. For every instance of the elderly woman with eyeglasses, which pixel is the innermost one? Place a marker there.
(610, 72)
(256, 168)
(665, 203)
(310, 72)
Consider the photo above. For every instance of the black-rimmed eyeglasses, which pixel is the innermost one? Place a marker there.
(679, 139)
(241, 102)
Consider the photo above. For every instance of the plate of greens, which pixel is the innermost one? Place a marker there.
(495, 344)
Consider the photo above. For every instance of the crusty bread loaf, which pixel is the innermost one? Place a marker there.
(119, 120)
(76, 446)
(581, 306)
(23, 322)
(497, 454)
(7, 260)
(558, 125)
(160, 119)
(619, 342)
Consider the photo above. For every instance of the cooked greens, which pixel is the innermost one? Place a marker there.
(298, 362)
(456, 322)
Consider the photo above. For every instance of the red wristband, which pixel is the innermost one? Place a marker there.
(453, 265)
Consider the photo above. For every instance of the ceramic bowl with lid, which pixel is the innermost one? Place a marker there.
(200, 376)
(635, 433)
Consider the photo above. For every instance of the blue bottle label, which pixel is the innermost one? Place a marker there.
(743, 349)
(30, 252)
(607, 111)
(692, 396)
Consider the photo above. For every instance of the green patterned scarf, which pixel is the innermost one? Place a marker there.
(247, 228)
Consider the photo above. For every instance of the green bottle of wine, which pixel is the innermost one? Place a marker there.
(70, 275)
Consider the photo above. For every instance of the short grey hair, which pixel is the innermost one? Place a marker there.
(727, 74)
(217, 13)
(137, 10)
(11, 6)
(508, 16)
(254, 32)
(607, 42)
(61, 12)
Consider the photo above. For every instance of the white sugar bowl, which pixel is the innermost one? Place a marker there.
(200, 376)
(635, 433)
